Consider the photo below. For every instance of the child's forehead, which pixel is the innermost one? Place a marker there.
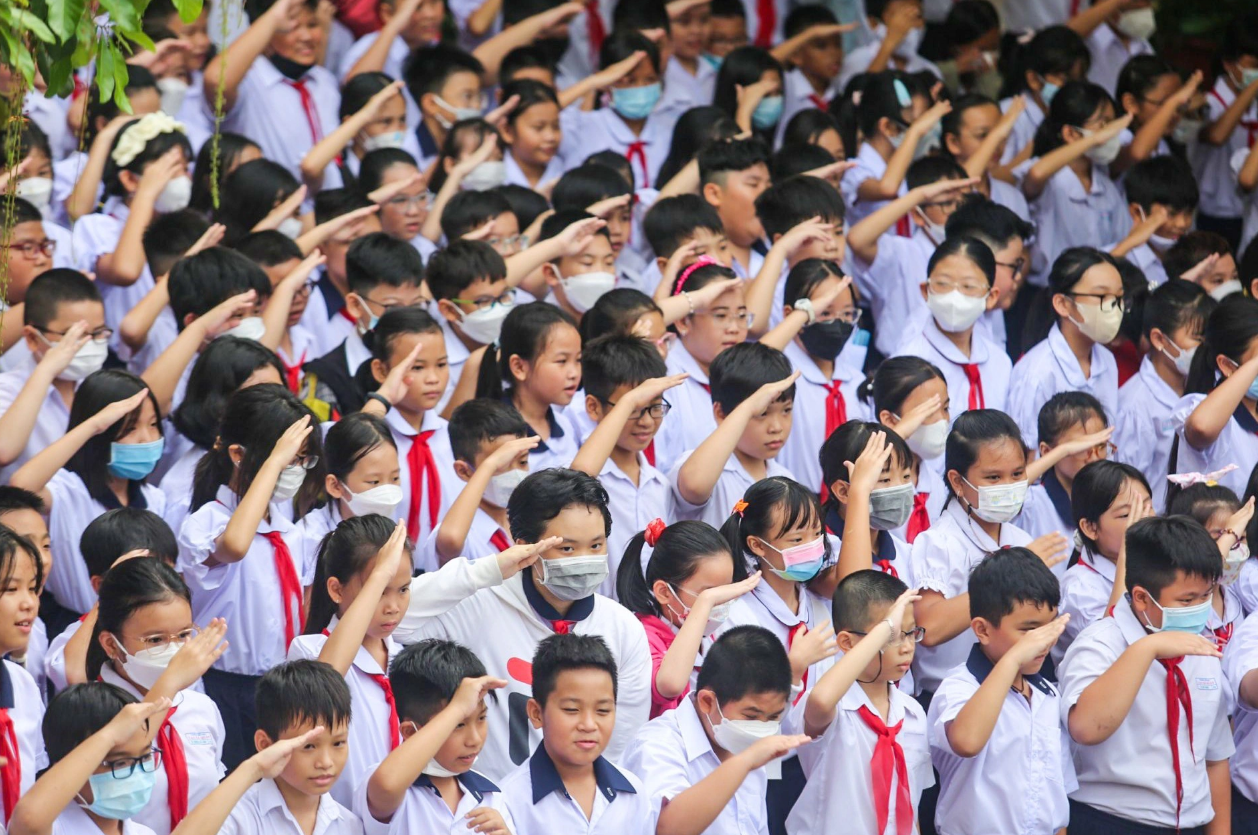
(25, 521)
(576, 522)
(306, 724)
(461, 79)
(588, 684)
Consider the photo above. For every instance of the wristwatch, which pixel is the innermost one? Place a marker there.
(806, 306)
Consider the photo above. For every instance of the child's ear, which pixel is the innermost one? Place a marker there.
(1060, 305)
(449, 310)
(95, 580)
(519, 367)
(534, 711)
(954, 481)
(846, 641)
(982, 629)
(261, 740)
(1129, 103)
(551, 274)
(31, 336)
(335, 591)
(236, 453)
(712, 194)
(463, 470)
(378, 371)
(129, 180)
(718, 412)
(705, 701)
(1253, 289)
(839, 490)
(333, 487)
(1134, 210)
(953, 143)
(1223, 362)
(924, 287)
(1090, 529)
(593, 408)
(661, 263)
(993, 297)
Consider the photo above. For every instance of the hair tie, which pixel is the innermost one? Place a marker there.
(136, 136)
(1189, 479)
(739, 507)
(653, 530)
(704, 260)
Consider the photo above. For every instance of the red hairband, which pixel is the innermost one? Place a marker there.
(704, 260)
(653, 530)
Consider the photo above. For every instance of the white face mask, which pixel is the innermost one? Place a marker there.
(583, 290)
(1234, 562)
(174, 197)
(502, 485)
(737, 735)
(383, 500)
(37, 191)
(290, 227)
(173, 91)
(1183, 362)
(716, 619)
(1101, 326)
(250, 327)
(1106, 152)
(929, 440)
(1226, 289)
(147, 665)
(487, 175)
(290, 481)
(912, 40)
(1188, 130)
(87, 360)
(484, 325)
(460, 113)
(935, 231)
(388, 139)
(574, 578)
(436, 769)
(999, 503)
(1137, 24)
(954, 311)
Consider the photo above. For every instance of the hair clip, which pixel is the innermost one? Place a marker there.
(902, 93)
(739, 507)
(1210, 479)
(653, 530)
(704, 260)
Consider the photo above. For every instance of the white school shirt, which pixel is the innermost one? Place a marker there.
(50, 115)
(730, 487)
(36, 652)
(560, 448)
(369, 734)
(891, 283)
(1220, 192)
(1038, 14)
(456, 359)
(394, 61)
(1018, 782)
(683, 90)
(993, 366)
(869, 166)
(200, 727)
(74, 821)
(73, 509)
(1239, 659)
(517, 177)
(840, 787)
(808, 426)
(763, 607)
(1236, 444)
(1246, 586)
(1143, 429)
(1220, 628)
(1149, 263)
(263, 810)
(1066, 216)
(55, 658)
(424, 810)
(269, 111)
(96, 235)
(1009, 196)
(590, 131)
(308, 533)
(1024, 127)
(20, 695)
(245, 593)
(672, 754)
(633, 507)
(943, 558)
(1051, 367)
(51, 421)
(1047, 509)
(858, 60)
(929, 481)
(1129, 775)
(177, 486)
(892, 555)
(580, 59)
(540, 804)
(1250, 226)
(798, 95)
(478, 544)
(439, 442)
(690, 421)
(501, 625)
(1085, 594)
(196, 113)
(1109, 54)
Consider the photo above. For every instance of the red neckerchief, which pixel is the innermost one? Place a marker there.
(766, 23)
(919, 519)
(1177, 695)
(499, 540)
(1251, 127)
(594, 27)
(424, 479)
(889, 758)
(638, 149)
(308, 107)
(292, 373)
(976, 384)
(176, 767)
(290, 585)
(11, 774)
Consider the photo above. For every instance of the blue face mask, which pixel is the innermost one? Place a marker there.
(1190, 619)
(767, 113)
(123, 799)
(636, 102)
(134, 461)
(713, 61)
(1048, 91)
(1253, 390)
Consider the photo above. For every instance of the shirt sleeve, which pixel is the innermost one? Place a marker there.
(933, 566)
(437, 592)
(197, 539)
(1221, 745)
(633, 699)
(953, 695)
(657, 759)
(1087, 660)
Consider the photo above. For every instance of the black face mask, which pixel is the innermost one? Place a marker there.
(826, 339)
(290, 69)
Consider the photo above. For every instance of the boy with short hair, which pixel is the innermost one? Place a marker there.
(427, 783)
(491, 445)
(469, 211)
(578, 281)
(813, 50)
(703, 776)
(872, 733)
(729, 28)
(608, 190)
(753, 393)
(625, 380)
(327, 300)
(675, 222)
(567, 784)
(995, 733)
(731, 176)
(445, 82)
(1162, 197)
(1140, 688)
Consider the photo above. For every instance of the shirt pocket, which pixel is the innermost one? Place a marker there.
(1207, 700)
(916, 757)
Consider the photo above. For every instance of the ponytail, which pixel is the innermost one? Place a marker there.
(525, 332)
(753, 516)
(675, 557)
(347, 551)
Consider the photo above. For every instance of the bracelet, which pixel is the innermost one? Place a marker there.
(1231, 533)
(895, 633)
(382, 400)
(690, 302)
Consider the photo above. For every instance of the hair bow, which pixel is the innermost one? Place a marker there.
(703, 261)
(653, 530)
(740, 506)
(1189, 479)
(135, 136)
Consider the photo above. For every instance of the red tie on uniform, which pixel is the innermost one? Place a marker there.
(11, 774)
(818, 102)
(562, 627)
(766, 23)
(1222, 635)
(919, 519)
(499, 540)
(836, 409)
(903, 228)
(292, 373)
(421, 463)
(887, 568)
(976, 385)
(176, 768)
(383, 681)
(889, 757)
(649, 452)
(790, 641)
(1251, 128)
(638, 149)
(290, 586)
(308, 106)
(594, 25)
(1176, 695)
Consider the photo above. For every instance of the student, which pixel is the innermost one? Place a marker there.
(986, 471)
(23, 706)
(112, 444)
(1226, 519)
(444, 82)
(975, 132)
(232, 152)
(731, 176)
(852, 708)
(142, 626)
(813, 51)
(92, 732)
(897, 27)
(361, 588)
(406, 26)
(30, 254)
(730, 30)
(372, 115)
(426, 783)
(1153, 90)
(262, 194)
(1115, 32)
(567, 782)
(538, 353)
(273, 88)
(565, 514)
(23, 512)
(1219, 277)
(1174, 317)
(910, 396)
(1007, 234)
(401, 191)
(608, 190)
(1157, 188)
(996, 720)
(959, 289)
(1080, 314)
(234, 549)
(686, 74)
(753, 392)
(704, 764)
(1213, 420)
(673, 224)
(470, 160)
(749, 90)
(577, 281)
(533, 133)
(1108, 498)
(1127, 683)
(1238, 667)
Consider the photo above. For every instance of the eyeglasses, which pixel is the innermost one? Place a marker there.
(513, 244)
(306, 288)
(850, 316)
(948, 206)
(33, 249)
(1107, 301)
(308, 462)
(915, 635)
(481, 302)
(162, 639)
(941, 287)
(123, 768)
(655, 410)
(725, 319)
(393, 305)
(421, 201)
(98, 335)
(1017, 266)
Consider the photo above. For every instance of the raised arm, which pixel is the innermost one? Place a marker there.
(233, 63)
(318, 158)
(18, 420)
(598, 447)
(1149, 136)
(124, 266)
(798, 319)
(977, 164)
(863, 237)
(786, 50)
(1087, 20)
(1052, 162)
(452, 534)
(347, 637)
(1212, 414)
(1218, 131)
(373, 60)
(763, 287)
(492, 51)
(82, 200)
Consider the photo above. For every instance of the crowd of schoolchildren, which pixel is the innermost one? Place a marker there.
(744, 417)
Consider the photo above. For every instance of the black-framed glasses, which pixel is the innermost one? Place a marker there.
(98, 335)
(123, 768)
(655, 410)
(307, 287)
(915, 635)
(1017, 266)
(948, 206)
(1107, 301)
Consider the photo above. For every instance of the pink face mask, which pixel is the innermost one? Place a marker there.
(801, 563)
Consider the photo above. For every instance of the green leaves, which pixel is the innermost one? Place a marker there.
(64, 17)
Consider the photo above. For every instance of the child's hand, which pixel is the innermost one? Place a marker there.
(717, 595)
(811, 646)
(117, 410)
(380, 99)
(603, 208)
(1201, 268)
(498, 115)
(824, 300)
(519, 557)
(467, 698)
(1142, 508)
(620, 69)
(934, 191)
(388, 191)
(59, 355)
(504, 456)
(1175, 644)
(764, 751)
(578, 235)
(672, 268)
(1184, 94)
(281, 212)
(706, 296)
(482, 154)
(396, 384)
(196, 656)
(390, 556)
(1039, 641)
(316, 258)
(132, 718)
(1086, 443)
(931, 117)
(804, 233)
(901, 18)
(915, 418)
(161, 171)
(1153, 221)
(769, 392)
(896, 613)
(833, 172)
(290, 443)
(212, 237)
(1238, 522)
(646, 393)
(677, 8)
(1100, 137)
(1051, 548)
(863, 475)
(752, 94)
(1005, 126)
(487, 821)
(216, 318)
(272, 760)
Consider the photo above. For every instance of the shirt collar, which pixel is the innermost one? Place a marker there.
(776, 606)
(885, 549)
(1069, 363)
(1057, 494)
(648, 472)
(556, 428)
(546, 779)
(808, 368)
(475, 784)
(1163, 393)
(970, 529)
(430, 422)
(1245, 419)
(580, 609)
(980, 666)
(8, 697)
(686, 362)
(427, 142)
(935, 337)
(694, 739)
(1100, 565)
(1131, 627)
(269, 799)
(332, 297)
